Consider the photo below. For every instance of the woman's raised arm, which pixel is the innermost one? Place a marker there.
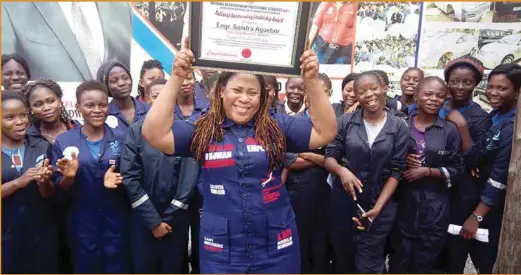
(157, 126)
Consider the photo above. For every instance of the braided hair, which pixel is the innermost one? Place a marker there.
(147, 65)
(266, 130)
(57, 90)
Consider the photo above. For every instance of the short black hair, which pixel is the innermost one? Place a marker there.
(18, 58)
(159, 81)
(511, 71)
(148, 65)
(10, 95)
(368, 73)
(350, 77)
(324, 78)
(413, 69)
(90, 85)
(383, 76)
(430, 79)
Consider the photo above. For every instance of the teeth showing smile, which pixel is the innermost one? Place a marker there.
(242, 109)
(372, 102)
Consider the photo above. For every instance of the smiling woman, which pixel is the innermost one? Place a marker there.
(123, 109)
(239, 143)
(15, 72)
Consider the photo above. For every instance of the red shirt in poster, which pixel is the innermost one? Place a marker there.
(336, 22)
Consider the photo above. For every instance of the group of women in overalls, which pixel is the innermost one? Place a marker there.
(284, 188)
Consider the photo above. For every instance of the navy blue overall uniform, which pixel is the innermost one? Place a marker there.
(116, 119)
(248, 224)
(309, 195)
(466, 192)
(98, 220)
(192, 198)
(372, 166)
(151, 185)
(60, 208)
(493, 177)
(29, 231)
(423, 214)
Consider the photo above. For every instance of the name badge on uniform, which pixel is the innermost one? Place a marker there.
(112, 161)
(17, 159)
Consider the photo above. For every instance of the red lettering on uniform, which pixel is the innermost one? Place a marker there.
(251, 141)
(220, 163)
(271, 194)
(212, 248)
(286, 233)
(220, 147)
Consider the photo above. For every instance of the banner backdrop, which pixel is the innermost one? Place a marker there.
(347, 37)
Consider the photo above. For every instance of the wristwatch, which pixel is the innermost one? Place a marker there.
(478, 217)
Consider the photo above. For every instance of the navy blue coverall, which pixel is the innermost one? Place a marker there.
(29, 231)
(493, 177)
(466, 191)
(195, 199)
(248, 224)
(98, 221)
(116, 120)
(151, 185)
(373, 167)
(423, 214)
(309, 194)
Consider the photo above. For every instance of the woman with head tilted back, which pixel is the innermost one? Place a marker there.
(29, 237)
(248, 224)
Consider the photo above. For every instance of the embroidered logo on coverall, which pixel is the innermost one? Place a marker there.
(217, 189)
(219, 156)
(284, 238)
(212, 246)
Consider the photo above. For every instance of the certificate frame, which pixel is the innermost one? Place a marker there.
(195, 13)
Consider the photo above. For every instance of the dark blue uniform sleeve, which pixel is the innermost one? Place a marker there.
(455, 165)
(399, 155)
(131, 169)
(472, 157)
(289, 159)
(187, 183)
(297, 131)
(183, 133)
(56, 155)
(495, 188)
(335, 149)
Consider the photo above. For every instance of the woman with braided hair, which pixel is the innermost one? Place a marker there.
(248, 224)
(47, 114)
(49, 118)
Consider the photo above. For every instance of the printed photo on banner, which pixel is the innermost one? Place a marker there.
(439, 46)
(388, 41)
(166, 17)
(506, 12)
(67, 41)
(498, 46)
(332, 35)
(458, 12)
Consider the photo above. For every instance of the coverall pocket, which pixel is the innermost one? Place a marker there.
(214, 238)
(282, 232)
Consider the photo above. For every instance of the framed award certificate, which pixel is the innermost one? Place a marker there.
(255, 37)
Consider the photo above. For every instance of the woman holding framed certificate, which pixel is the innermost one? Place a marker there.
(248, 224)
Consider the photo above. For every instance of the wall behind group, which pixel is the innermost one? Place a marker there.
(390, 36)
